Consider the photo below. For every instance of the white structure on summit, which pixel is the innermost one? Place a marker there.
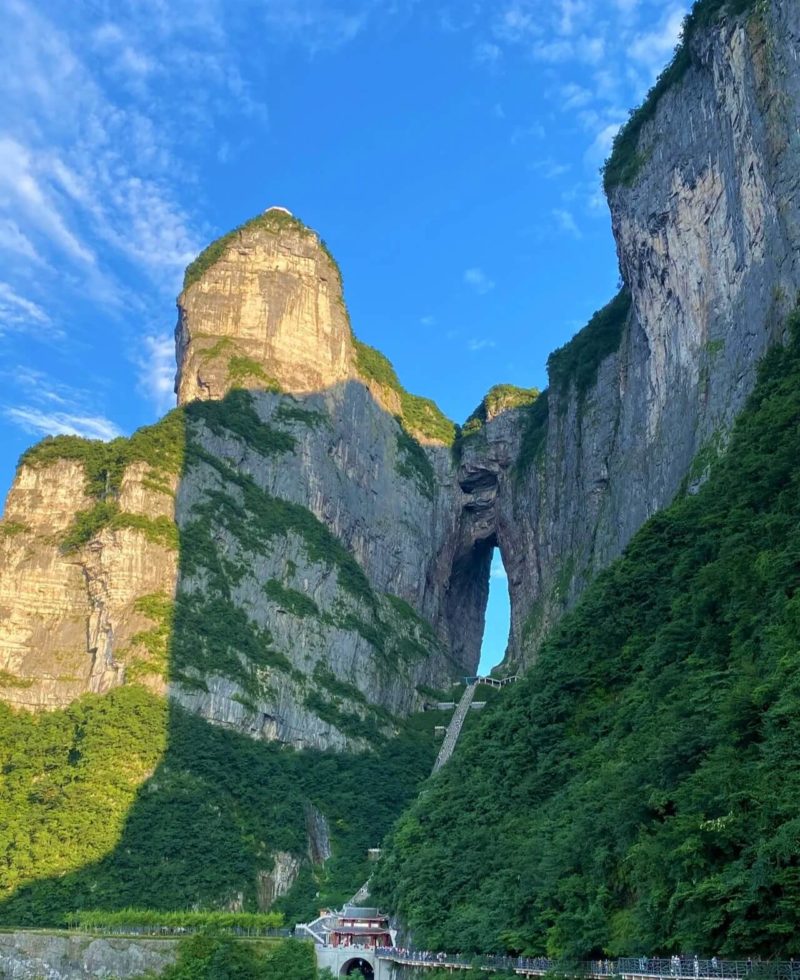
(277, 207)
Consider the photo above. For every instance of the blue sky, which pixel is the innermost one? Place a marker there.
(447, 152)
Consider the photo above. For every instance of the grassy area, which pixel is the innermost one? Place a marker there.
(534, 434)
(500, 398)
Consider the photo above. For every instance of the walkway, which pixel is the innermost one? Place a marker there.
(630, 968)
(454, 728)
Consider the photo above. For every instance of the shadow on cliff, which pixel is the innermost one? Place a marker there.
(128, 800)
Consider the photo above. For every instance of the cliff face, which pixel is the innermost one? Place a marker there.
(707, 226)
(271, 552)
(267, 308)
(73, 618)
(322, 510)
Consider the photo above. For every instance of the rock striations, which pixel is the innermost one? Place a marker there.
(302, 548)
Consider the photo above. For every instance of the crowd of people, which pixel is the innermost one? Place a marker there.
(691, 967)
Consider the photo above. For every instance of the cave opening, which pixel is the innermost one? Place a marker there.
(497, 620)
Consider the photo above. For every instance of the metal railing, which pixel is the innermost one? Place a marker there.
(685, 967)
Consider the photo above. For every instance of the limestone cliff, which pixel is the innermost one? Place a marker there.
(302, 498)
(270, 551)
(703, 189)
(262, 306)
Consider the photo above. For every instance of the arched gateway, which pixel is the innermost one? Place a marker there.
(357, 967)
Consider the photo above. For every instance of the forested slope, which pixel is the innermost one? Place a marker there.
(81, 827)
(639, 789)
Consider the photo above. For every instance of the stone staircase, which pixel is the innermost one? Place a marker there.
(455, 726)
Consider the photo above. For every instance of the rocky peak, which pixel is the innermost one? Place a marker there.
(262, 307)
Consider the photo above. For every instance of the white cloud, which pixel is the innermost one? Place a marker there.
(315, 24)
(565, 221)
(516, 23)
(15, 241)
(427, 320)
(157, 371)
(498, 569)
(477, 344)
(477, 279)
(39, 422)
(600, 146)
(488, 53)
(22, 190)
(10, 300)
(550, 169)
(575, 96)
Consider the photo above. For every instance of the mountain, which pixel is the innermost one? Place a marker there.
(635, 791)
(251, 601)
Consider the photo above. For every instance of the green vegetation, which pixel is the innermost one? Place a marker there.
(242, 368)
(348, 722)
(627, 155)
(255, 518)
(500, 398)
(413, 463)
(135, 918)
(637, 789)
(214, 636)
(7, 679)
(236, 415)
(534, 434)
(10, 529)
(159, 445)
(272, 221)
(154, 642)
(211, 956)
(577, 362)
(95, 802)
(87, 524)
(420, 416)
(289, 411)
(290, 600)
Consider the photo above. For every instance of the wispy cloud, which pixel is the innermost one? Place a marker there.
(498, 572)
(13, 306)
(38, 422)
(46, 406)
(653, 49)
(156, 368)
(550, 169)
(565, 221)
(477, 344)
(488, 53)
(477, 279)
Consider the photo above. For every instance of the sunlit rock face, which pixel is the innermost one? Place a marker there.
(284, 578)
(269, 309)
(68, 619)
